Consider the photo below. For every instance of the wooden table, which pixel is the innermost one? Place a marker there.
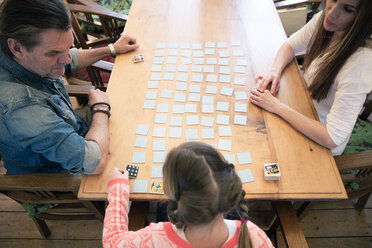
(308, 170)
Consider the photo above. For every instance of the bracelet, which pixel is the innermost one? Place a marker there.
(98, 103)
(112, 50)
(101, 110)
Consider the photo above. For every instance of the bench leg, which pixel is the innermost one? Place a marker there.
(42, 227)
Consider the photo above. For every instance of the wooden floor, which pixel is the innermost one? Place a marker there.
(328, 224)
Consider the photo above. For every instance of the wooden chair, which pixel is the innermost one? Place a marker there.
(284, 4)
(58, 189)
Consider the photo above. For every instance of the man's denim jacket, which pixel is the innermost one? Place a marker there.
(39, 131)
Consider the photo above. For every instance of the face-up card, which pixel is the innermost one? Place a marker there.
(133, 170)
(156, 187)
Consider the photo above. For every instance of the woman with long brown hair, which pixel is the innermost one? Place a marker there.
(201, 187)
(337, 67)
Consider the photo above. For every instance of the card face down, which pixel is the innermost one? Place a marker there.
(133, 170)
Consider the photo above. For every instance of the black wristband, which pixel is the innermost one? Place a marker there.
(101, 110)
(98, 103)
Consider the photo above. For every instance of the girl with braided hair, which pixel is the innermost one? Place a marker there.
(201, 187)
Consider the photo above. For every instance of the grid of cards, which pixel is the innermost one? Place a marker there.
(188, 106)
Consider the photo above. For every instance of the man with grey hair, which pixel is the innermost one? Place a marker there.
(40, 132)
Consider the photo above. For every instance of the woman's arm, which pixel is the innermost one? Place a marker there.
(284, 56)
(313, 129)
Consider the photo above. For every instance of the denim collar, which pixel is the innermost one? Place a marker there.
(27, 77)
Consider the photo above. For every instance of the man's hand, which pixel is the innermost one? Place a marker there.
(125, 44)
(98, 96)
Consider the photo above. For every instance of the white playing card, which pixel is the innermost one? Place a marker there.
(208, 100)
(198, 54)
(198, 61)
(149, 104)
(207, 133)
(139, 157)
(155, 76)
(245, 176)
(222, 106)
(225, 78)
(168, 76)
(140, 186)
(224, 70)
(175, 132)
(159, 157)
(162, 108)
(238, 53)
(244, 158)
(158, 132)
(178, 109)
(211, 89)
(221, 44)
(190, 108)
(224, 145)
(240, 120)
(183, 68)
(156, 171)
(210, 44)
(152, 84)
(207, 108)
(197, 68)
(194, 97)
(186, 61)
(159, 53)
(207, 121)
(182, 77)
(172, 60)
(209, 51)
(208, 68)
(191, 134)
(241, 107)
(160, 45)
(242, 62)
(158, 145)
(160, 118)
(229, 157)
(241, 95)
(141, 141)
(166, 94)
(176, 121)
(226, 91)
(223, 61)
(223, 119)
(198, 78)
(224, 54)
(186, 53)
(212, 78)
(194, 88)
(172, 52)
(180, 97)
(151, 95)
(224, 131)
(211, 61)
(192, 120)
(171, 68)
(158, 60)
(239, 81)
(239, 69)
(142, 129)
(181, 86)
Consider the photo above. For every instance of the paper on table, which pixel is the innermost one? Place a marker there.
(211, 61)
(158, 60)
(162, 108)
(244, 158)
(190, 108)
(185, 45)
(186, 53)
(224, 54)
(198, 78)
(151, 95)
(197, 68)
(175, 132)
(158, 132)
(185, 61)
(223, 61)
(238, 53)
(207, 121)
(172, 60)
(176, 121)
(239, 69)
(159, 53)
(194, 88)
(139, 157)
(182, 77)
(242, 62)
(240, 120)
(209, 68)
(191, 134)
(168, 76)
(166, 94)
(140, 186)
(211, 89)
(142, 129)
(173, 45)
(141, 141)
(207, 133)
(209, 51)
(239, 81)
(181, 86)
(241, 95)
(224, 70)
(172, 52)
(156, 171)
(235, 43)
(192, 120)
(246, 176)
(178, 109)
(155, 76)
(240, 107)
(223, 119)
(224, 145)
(208, 100)
(160, 45)
(171, 68)
(149, 104)
(194, 97)
(221, 44)
(180, 97)
(207, 108)
(198, 54)
(152, 84)
(198, 61)
(226, 91)
(158, 145)
(212, 78)
(210, 44)
(224, 131)
(160, 118)
(225, 78)
(229, 157)
(183, 68)
(222, 106)
(196, 46)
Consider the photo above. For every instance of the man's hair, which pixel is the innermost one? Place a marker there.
(24, 20)
(200, 184)
(358, 35)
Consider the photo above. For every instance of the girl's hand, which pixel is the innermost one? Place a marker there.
(116, 173)
(263, 82)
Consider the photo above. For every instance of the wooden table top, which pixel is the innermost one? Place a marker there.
(308, 170)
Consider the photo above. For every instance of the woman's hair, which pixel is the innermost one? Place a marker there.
(24, 20)
(335, 57)
(200, 184)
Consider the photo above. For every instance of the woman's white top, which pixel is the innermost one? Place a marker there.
(345, 99)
